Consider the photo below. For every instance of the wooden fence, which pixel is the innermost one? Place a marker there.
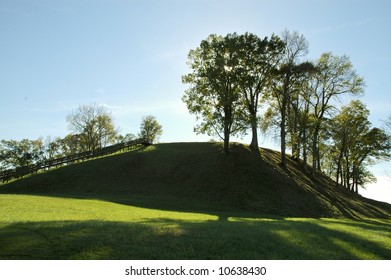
(47, 164)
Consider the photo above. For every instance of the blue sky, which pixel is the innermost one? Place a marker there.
(130, 55)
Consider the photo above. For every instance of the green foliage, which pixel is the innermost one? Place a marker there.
(93, 126)
(257, 58)
(214, 95)
(229, 74)
(286, 79)
(150, 129)
(14, 154)
(356, 145)
(334, 77)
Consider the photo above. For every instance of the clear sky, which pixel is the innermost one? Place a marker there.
(130, 55)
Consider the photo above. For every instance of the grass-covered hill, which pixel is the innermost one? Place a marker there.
(198, 177)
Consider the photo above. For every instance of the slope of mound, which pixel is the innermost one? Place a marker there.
(198, 176)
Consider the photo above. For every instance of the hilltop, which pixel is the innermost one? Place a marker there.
(199, 177)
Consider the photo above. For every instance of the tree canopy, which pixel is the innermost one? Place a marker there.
(93, 125)
(228, 76)
(232, 76)
(214, 94)
(150, 129)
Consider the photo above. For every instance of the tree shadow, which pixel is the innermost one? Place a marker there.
(163, 238)
(348, 204)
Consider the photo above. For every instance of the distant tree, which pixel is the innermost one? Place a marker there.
(214, 95)
(71, 144)
(14, 154)
(334, 76)
(150, 129)
(9, 154)
(106, 132)
(125, 138)
(52, 148)
(94, 126)
(356, 145)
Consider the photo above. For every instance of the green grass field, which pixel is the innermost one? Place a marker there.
(38, 227)
(188, 201)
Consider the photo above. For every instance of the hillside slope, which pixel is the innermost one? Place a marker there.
(201, 178)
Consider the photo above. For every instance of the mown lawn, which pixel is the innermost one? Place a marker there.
(39, 227)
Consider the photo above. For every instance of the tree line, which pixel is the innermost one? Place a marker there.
(232, 76)
(92, 128)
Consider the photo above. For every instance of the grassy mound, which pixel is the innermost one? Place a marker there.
(199, 177)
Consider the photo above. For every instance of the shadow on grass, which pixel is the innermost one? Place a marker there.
(177, 239)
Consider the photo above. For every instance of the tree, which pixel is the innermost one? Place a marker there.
(125, 138)
(94, 126)
(355, 145)
(334, 76)
(71, 144)
(52, 148)
(375, 145)
(346, 129)
(14, 154)
(299, 117)
(256, 58)
(285, 81)
(214, 95)
(150, 129)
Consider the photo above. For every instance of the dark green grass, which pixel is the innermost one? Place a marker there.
(34, 227)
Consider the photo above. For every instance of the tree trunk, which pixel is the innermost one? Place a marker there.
(296, 145)
(298, 149)
(347, 174)
(337, 176)
(339, 162)
(314, 153)
(304, 149)
(283, 143)
(226, 144)
(355, 179)
(254, 141)
(338, 167)
(318, 159)
(227, 131)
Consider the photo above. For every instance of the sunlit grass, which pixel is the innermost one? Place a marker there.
(30, 208)
(39, 227)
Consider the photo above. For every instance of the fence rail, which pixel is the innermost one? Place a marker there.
(18, 172)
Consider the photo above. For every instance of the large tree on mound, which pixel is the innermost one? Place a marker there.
(257, 58)
(228, 76)
(214, 95)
